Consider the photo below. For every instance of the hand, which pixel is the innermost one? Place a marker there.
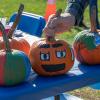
(59, 24)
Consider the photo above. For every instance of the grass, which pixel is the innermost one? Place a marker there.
(7, 7)
(87, 93)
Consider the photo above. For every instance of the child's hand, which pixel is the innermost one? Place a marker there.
(59, 24)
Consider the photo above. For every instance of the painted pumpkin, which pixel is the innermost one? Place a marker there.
(87, 43)
(15, 66)
(87, 47)
(50, 58)
(16, 43)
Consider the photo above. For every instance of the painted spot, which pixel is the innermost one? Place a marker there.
(2, 63)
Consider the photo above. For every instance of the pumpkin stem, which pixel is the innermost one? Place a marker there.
(52, 38)
(11, 31)
(93, 19)
(58, 12)
(5, 37)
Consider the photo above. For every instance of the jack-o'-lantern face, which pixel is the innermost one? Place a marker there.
(51, 58)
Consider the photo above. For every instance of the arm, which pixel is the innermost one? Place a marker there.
(72, 16)
(76, 8)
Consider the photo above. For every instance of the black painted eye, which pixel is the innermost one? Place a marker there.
(60, 54)
(44, 56)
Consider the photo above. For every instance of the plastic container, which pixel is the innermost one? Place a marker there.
(32, 24)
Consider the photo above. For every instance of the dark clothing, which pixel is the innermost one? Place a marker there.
(76, 8)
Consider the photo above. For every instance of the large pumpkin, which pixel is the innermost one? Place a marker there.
(87, 43)
(50, 58)
(15, 66)
(16, 43)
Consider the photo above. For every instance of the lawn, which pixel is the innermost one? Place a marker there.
(7, 7)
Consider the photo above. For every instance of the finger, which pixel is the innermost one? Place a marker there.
(49, 19)
(54, 22)
(48, 31)
(61, 29)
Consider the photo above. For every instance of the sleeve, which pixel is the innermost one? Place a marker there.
(76, 8)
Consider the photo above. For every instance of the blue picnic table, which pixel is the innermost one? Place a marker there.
(38, 87)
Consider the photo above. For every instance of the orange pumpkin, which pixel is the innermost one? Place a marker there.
(87, 47)
(16, 43)
(50, 58)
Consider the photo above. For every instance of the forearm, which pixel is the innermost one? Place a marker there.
(76, 8)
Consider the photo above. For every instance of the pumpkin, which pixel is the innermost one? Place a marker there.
(16, 43)
(49, 58)
(87, 44)
(15, 66)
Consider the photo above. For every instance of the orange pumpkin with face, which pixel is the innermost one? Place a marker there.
(50, 58)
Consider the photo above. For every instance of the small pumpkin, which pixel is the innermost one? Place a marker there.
(16, 43)
(87, 43)
(51, 57)
(15, 66)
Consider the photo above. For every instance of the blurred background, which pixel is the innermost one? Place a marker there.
(8, 7)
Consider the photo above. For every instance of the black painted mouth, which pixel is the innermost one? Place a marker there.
(53, 68)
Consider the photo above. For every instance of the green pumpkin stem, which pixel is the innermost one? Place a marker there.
(11, 31)
(5, 37)
(93, 19)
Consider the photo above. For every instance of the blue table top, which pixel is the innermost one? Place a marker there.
(39, 87)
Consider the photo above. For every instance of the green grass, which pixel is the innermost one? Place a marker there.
(7, 7)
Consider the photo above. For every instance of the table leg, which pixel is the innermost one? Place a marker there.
(57, 97)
